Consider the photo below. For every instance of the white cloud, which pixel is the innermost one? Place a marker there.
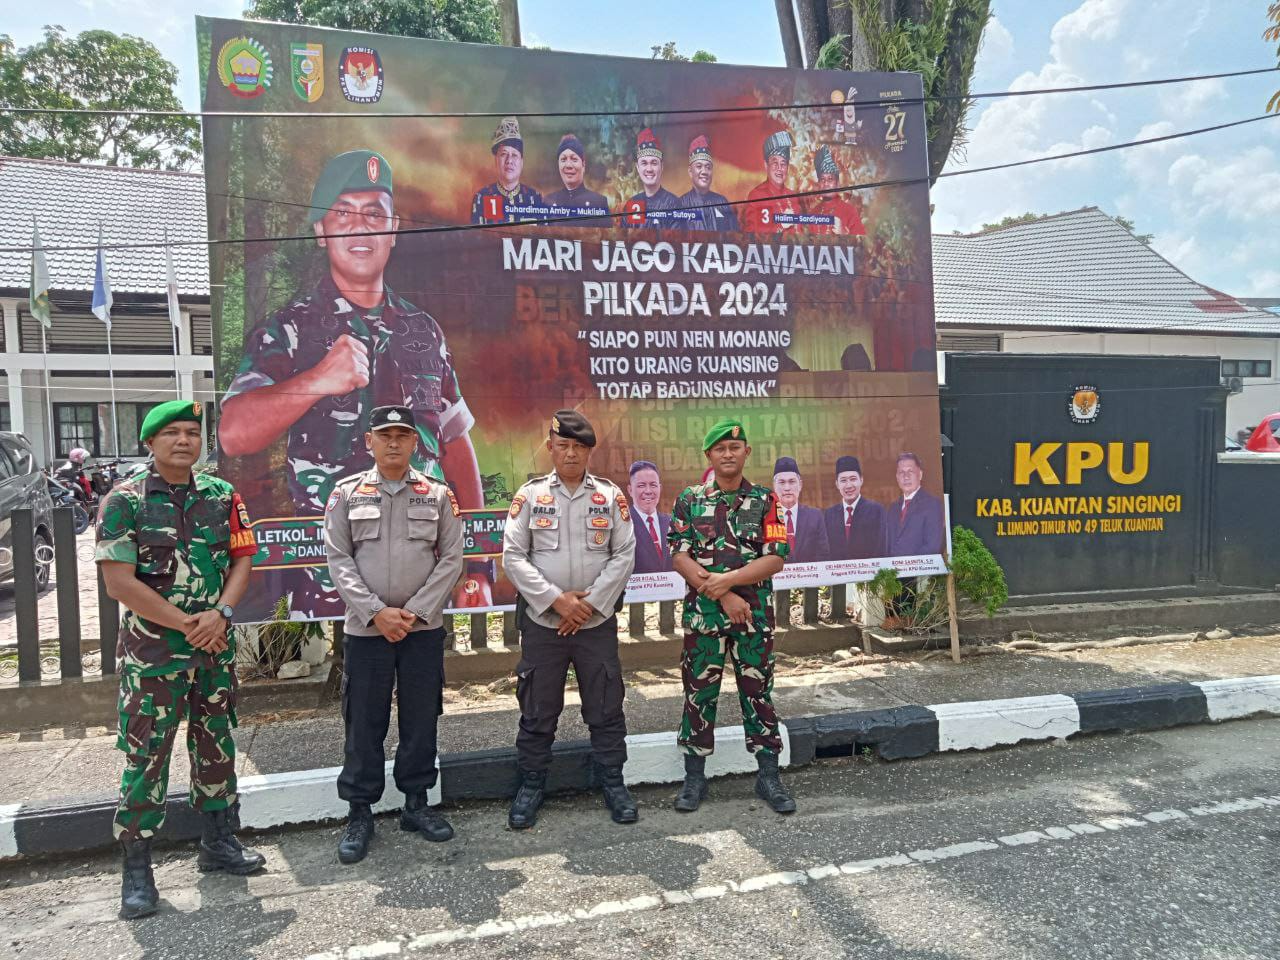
(997, 44)
(1244, 187)
(1185, 99)
(1091, 22)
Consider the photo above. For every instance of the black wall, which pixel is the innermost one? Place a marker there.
(1174, 404)
(1247, 522)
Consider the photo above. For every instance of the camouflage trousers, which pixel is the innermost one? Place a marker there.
(151, 710)
(702, 668)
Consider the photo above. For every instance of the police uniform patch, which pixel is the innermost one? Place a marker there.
(453, 502)
(516, 504)
(543, 522)
(599, 521)
(367, 488)
(243, 513)
(599, 537)
(622, 507)
(422, 487)
(545, 498)
(599, 497)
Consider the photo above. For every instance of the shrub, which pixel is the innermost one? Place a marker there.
(978, 576)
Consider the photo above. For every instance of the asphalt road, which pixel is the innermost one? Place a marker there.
(1121, 846)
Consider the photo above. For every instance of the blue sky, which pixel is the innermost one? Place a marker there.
(1213, 202)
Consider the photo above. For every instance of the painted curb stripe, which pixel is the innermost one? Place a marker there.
(1242, 697)
(981, 724)
(1141, 708)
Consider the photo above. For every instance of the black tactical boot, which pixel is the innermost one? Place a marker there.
(524, 808)
(694, 789)
(769, 787)
(138, 894)
(220, 850)
(622, 806)
(417, 817)
(354, 845)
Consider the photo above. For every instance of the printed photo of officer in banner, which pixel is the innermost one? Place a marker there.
(656, 271)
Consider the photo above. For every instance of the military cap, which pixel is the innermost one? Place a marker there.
(571, 425)
(571, 142)
(392, 415)
(778, 145)
(726, 428)
(700, 148)
(785, 465)
(351, 172)
(824, 164)
(507, 134)
(846, 464)
(171, 411)
(648, 144)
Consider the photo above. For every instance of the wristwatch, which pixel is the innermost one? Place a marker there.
(226, 610)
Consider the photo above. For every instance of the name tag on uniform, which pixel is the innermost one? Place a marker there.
(355, 501)
(598, 511)
(546, 511)
(420, 501)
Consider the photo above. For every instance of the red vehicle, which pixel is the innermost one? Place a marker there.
(1266, 435)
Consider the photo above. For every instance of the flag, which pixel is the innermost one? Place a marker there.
(39, 294)
(101, 287)
(171, 285)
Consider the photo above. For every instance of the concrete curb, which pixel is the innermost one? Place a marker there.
(309, 796)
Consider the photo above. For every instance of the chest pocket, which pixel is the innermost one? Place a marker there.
(750, 520)
(545, 530)
(211, 523)
(598, 528)
(157, 540)
(424, 521)
(366, 522)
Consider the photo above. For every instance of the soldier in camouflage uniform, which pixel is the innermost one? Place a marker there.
(317, 367)
(175, 550)
(727, 541)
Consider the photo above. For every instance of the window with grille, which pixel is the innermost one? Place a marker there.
(76, 425)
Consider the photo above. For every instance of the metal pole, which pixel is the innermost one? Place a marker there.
(115, 421)
(177, 377)
(108, 626)
(68, 582)
(24, 593)
(48, 396)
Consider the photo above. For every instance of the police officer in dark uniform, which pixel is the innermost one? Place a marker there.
(314, 370)
(394, 539)
(569, 547)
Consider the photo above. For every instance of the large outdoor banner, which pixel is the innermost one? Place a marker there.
(491, 234)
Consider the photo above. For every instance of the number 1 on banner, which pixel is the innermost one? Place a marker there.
(635, 212)
(495, 209)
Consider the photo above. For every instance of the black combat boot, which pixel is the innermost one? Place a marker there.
(694, 789)
(220, 850)
(769, 786)
(524, 808)
(622, 806)
(417, 817)
(138, 894)
(354, 845)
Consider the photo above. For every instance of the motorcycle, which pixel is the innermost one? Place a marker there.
(73, 476)
(106, 475)
(64, 496)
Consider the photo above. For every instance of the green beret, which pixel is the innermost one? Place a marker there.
(166, 413)
(725, 428)
(350, 172)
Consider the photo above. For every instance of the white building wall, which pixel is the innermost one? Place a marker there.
(1260, 396)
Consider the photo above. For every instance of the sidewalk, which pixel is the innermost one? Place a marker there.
(48, 769)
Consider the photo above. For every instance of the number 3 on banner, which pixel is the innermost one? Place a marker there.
(635, 211)
(766, 215)
(495, 208)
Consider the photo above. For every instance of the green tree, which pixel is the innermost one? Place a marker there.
(1144, 238)
(472, 21)
(939, 39)
(100, 71)
(1272, 35)
(668, 51)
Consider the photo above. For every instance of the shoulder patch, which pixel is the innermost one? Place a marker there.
(517, 504)
(453, 502)
(623, 508)
(334, 499)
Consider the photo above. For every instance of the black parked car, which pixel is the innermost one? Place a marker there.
(23, 485)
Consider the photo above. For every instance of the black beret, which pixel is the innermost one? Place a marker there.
(571, 425)
(393, 415)
(785, 465)
(845, 464)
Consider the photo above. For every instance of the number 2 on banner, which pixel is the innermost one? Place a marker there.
(635, 212)
(495, 208)
(895, 132)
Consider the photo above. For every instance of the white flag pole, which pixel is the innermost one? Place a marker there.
(43, 282)
(175, 312)
(48, 396)
(115, 420)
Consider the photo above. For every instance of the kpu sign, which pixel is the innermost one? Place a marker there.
(1085, 473)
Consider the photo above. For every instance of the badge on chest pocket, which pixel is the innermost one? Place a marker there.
(366, 521)
(545, 528)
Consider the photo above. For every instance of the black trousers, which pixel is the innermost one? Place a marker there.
(544, 665)
(372, 668)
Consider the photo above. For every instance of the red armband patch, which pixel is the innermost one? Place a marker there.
(242, 541)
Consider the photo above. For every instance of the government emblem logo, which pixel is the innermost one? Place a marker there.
(360, 74)
(306, 61)
(1085, 404)
(244, 67)
(371, 168)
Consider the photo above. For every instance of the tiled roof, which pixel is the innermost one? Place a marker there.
(1077, 270)
(133, 206)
